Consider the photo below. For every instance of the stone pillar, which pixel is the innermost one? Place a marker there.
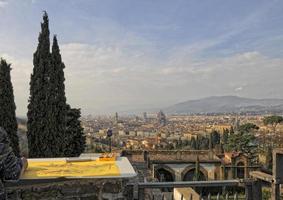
(178, 155)
(275, 194)
(222, 172)
(178, 175)
(247, 169)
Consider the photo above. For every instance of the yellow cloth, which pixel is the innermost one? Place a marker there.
(54, 169)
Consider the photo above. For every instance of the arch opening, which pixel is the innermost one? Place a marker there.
(240, 170)
(190, 175)
(164, 175)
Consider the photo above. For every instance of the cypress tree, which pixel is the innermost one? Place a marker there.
(215, 138)
(57, 100)
(74, 133)
(210, 146)
(269, 158)
(225, 136)
(197, 170)
(40, 139)
(193, 143)
(53, 127)
(8, 119)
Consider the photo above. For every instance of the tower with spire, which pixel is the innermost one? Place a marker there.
(116, 118)
(161, 117)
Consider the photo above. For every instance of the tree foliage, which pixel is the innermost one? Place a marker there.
(273, 120)
(197, 170)
(231, 131)
(40, 140)
(74, 133)
(225, 136)
(248, 127)
(242, 140)
(8, 119)
(269, 158)
(215, 138)
(51, 130)
(57, 99)
(203, 143)
(193, 143)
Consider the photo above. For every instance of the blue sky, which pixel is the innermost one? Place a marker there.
(139, 54)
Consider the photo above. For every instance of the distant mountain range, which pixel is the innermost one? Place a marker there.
(227, 104)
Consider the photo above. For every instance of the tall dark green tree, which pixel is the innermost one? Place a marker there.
(215, 136)
(8, 119)
(269, 158)
(197, 170)
(52, 125)
(225, 136)
(47, 104)
(193, 143)
(74, 133)
(57, 112)
(40, 140)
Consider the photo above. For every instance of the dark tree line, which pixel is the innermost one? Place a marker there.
(49, 117)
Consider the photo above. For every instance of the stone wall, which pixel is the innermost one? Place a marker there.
(96, 189)
(172, 155)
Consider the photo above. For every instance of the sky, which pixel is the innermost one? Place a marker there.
(124, 55)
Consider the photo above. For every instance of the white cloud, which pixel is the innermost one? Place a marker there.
(102, 78)
(238, 89)
(120, 68)
(99, 77)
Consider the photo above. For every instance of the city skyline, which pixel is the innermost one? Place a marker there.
(142, 54)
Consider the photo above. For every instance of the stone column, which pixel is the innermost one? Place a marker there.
(178, 176)
(275, 194)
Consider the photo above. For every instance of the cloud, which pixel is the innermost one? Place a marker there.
(103, 77)
(239, 89)
(111, 65)
(3, 3)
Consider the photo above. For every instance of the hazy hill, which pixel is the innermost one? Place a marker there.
(226, 104)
